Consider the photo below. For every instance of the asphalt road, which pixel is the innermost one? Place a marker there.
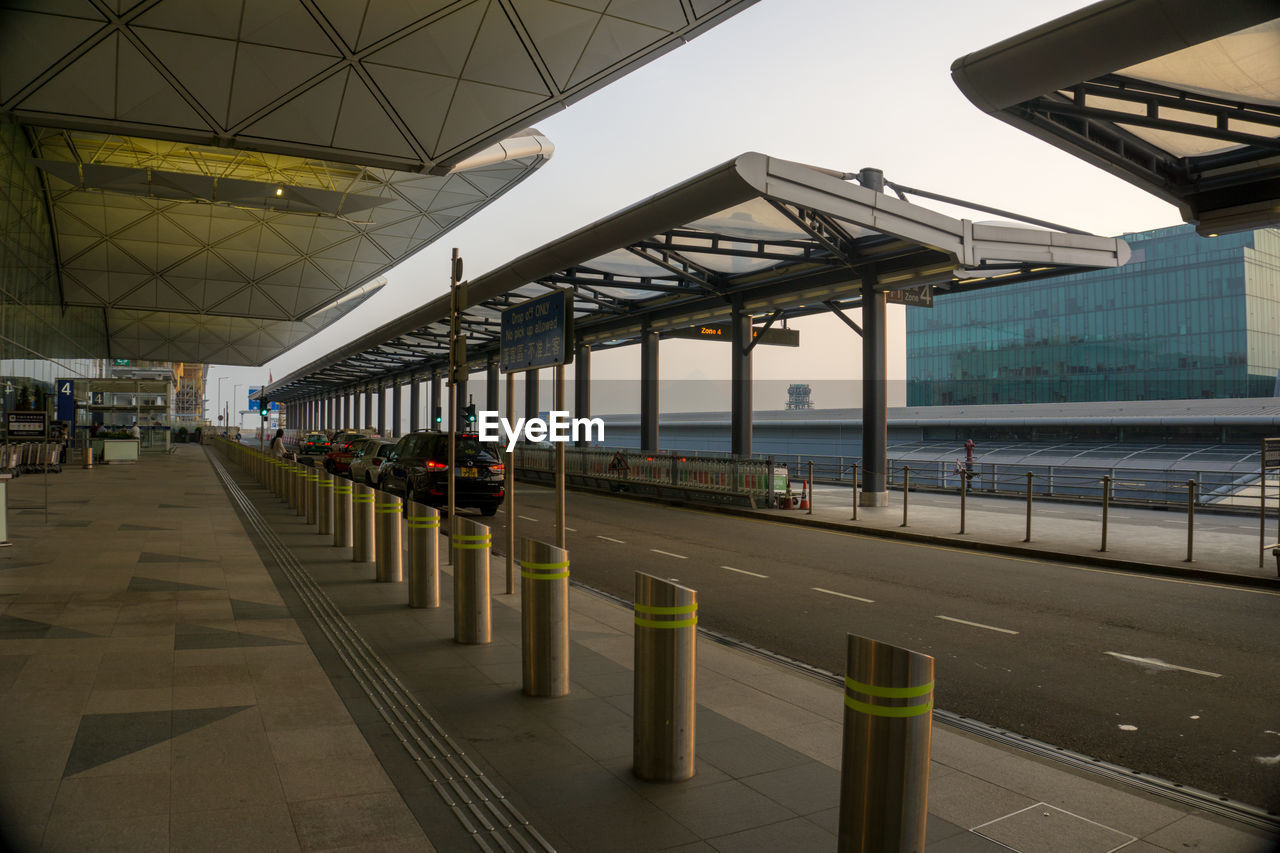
(1178, 679)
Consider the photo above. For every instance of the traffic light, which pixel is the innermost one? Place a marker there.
(436, 417)
(264, 409)
(469, 414)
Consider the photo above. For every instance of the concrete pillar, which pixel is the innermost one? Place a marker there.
(582, 387)
(367, 422)
(382, 409)
(740, 397)
(648, 391)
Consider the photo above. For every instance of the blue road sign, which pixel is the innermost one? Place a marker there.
(66, 400)
(537, 333)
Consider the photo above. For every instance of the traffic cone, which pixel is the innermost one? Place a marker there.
(804, 495)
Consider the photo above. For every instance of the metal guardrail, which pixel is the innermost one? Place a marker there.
(1131, 486)
(717, 474)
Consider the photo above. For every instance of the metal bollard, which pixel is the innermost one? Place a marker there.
(884, 768)
(470, 542)
(964, 495)
(301, 482)
(1030, 478)
(389, 564)
(362, 542)
(906, 493)
(855, 491)
(324, 502)
(313, 496)
(1191, 520)
(1106, 507)
(544, 618)
(424, 555)
(663, 698)
(88, 457)
(341, 513)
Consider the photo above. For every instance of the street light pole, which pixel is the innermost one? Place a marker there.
(239, 416)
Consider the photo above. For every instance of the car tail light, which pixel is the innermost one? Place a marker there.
(432, 465)
(498, 469)
(377, 463)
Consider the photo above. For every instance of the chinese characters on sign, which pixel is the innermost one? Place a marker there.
(537, 333)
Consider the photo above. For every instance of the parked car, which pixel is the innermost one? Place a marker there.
(341, 448)
(313, 443)
(417, 469)
(366, 465)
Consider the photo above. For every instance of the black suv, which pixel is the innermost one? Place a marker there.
(416, 470)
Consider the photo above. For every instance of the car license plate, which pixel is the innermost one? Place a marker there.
(467, 472)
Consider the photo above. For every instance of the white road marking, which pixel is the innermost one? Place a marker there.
(1271, 760)
(842, 594)
(1162, 665)
(669, 554)
(976, 624)
(1127, 727)
(744, 572)
(526, 518)
(611, 539)
(571, 529)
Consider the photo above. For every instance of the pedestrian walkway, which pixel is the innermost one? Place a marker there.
(1223, 543)
(164, 685)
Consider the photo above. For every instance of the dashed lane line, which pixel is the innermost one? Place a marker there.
(669, 554)
(842, 594)
(611, 539)
(744, 572)
(526, 518)
(977, 624)
(1162, 665)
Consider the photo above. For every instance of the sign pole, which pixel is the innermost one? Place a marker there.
(560, 473)
(510, 475)
(457, 366)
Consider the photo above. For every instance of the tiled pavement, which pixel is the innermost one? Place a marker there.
(161, 689)
(155, 693)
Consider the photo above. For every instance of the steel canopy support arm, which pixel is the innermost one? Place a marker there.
(835, 309)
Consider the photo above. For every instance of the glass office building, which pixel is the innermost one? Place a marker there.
(1187, 317)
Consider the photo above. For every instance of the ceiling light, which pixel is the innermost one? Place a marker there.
(279, 191)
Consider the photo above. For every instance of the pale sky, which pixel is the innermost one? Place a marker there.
(827, 82)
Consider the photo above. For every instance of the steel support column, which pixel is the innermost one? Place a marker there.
(415, 404)
(648, 391)
(382, 409)
(491, 399)
(740, 383)
(582, 388)
(368, 409)
(531, 393)
(875, 426)
(435, 404)
(397, 407)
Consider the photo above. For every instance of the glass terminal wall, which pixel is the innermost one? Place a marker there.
(40, 340)
(1188, 317)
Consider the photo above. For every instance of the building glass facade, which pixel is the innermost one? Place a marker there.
(1187, 317)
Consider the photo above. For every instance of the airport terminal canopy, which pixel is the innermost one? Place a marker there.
(1179, 97)
(766, 237)
(223, 179)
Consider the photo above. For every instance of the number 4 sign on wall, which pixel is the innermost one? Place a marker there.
(66, 401)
